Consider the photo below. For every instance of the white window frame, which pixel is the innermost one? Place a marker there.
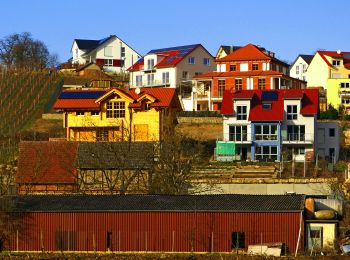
(150, 79)
(241, 112)
(122, 52)
(150, 64)
(165, 77)
(297, 69)
(95, 113)
(294, 132)
(293, 114)
(191, 60)
(138, 80)
(238, 137)
(206, 61)
(80, 113)
(108, 62)
(262, 136)
(263, 155)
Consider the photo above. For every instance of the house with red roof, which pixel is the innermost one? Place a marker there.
(142, 114)
(172, 67)
(246, 68)
(330, 71)
(259, 125)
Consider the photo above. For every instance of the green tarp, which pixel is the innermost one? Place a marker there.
(225, 148)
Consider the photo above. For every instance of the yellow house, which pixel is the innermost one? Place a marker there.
(331, 71)
(141, 114)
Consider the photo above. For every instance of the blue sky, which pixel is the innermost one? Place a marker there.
(286, 27)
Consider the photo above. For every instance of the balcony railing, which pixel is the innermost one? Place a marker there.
(298, 138)
(266, 137)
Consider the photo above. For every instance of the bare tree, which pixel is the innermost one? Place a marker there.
(22, 51)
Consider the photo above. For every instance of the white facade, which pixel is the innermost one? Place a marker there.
(114, 54)
(175, 76)
(298, 69)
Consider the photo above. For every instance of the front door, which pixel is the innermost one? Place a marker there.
(244, 154)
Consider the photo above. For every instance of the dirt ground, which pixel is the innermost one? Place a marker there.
(200, 132)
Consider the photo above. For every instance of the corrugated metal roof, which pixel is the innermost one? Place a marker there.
(189, 203)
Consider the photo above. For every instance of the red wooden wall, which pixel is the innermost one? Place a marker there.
(154, 231)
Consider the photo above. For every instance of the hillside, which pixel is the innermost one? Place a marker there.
(25, 95)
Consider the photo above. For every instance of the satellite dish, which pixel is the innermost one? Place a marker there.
(338, 51)
(137, 91)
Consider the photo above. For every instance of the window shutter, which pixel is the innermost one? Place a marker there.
(100, 61)
(117, 63)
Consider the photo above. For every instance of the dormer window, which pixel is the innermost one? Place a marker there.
(336, 63)
(266, 106)
(233, 67)
(255, 66)
(150, 64)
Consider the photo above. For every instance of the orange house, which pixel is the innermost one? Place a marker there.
(247, 68)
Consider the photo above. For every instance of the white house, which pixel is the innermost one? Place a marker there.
(299, 66)
(261, 124)
(172, 67)
(111, 52)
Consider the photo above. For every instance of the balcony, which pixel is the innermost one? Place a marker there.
(155, 83)
(298, 138)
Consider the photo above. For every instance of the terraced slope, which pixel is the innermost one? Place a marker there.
(24, 96)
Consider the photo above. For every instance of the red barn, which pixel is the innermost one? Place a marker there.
(183, 223)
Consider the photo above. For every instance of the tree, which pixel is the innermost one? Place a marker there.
(21, 51)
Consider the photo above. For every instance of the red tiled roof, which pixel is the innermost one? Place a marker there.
(248, 52)
(46, 162)
(76, 104)
(163, 96)
(238, 74)
(333, 54)
(309, 101)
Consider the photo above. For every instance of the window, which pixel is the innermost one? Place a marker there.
(265, 132)
(108, 62)
(238, 84)
(122, 52)
(266, 153)
(331, 132)
(206, 61)
(345, 85)
(241, 112)
(150, 64)
(237, 240)
(185, 75)
(108, 51)
(115, 109)
(255, 66)
(304, 68)
(190, 60)
(221, 87)
(336, 62)
(292, 113)
(101, 135)
(80, 113)
(233, 67)
(346, 101)
(261, 83)
(296, 133)
(139, 80)
(238, 133)
(150, 79)
(349, 76)
(147, 106)
(266, 106)
(95, 113)
(165, 77)
(297, 69)
(197, 73)
(315, 238)
(300, 150)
